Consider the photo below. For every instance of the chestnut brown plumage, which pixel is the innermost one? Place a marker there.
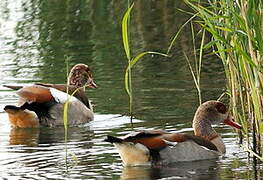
(47, 101)
(155, 146)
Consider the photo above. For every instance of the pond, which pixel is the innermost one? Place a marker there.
(37, 39)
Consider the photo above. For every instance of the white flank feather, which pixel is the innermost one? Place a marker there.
(170, 143)
(61, 97)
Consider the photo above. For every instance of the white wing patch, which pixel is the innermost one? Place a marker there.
(61, 97)
(170, 143)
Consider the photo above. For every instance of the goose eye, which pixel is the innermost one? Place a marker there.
(220, 107)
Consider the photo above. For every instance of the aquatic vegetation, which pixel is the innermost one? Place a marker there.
(198, 63)
(131, 61)
(237, 39)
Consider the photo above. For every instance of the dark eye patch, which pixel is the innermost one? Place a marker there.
(220, 107)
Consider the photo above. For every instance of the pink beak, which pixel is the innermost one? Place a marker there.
(232, 123)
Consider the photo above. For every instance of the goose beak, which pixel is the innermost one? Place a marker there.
(229, 121)
(91, 83)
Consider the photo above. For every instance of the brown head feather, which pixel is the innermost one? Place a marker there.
(81, 76)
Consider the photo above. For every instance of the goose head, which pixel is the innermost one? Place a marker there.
(81, 76)
(209, 113)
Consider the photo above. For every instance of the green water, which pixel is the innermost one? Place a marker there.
(37, 38)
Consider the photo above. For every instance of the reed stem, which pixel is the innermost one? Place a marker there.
(131, 61)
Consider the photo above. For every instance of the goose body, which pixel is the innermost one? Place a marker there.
(160, 147)
(43, 104)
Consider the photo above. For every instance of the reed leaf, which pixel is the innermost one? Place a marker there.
(125, 33)
(133, 62)
(236, 29)
(197, 85)
(125, 38)
(65, 121)
(178, 32)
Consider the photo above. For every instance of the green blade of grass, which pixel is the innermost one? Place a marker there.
(125, 33)
(178, 32)
(133, 62)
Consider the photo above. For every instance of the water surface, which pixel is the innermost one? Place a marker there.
(38, 37)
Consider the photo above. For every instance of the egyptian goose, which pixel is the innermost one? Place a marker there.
(43, 104)
(154, 146)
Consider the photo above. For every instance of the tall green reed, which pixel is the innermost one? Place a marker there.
(125, 39)
(131, 60)
(65, 117)
(65, 120)
(198, 63)
(237, 30)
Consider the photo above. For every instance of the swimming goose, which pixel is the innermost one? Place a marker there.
(43, 104)
(160, 147)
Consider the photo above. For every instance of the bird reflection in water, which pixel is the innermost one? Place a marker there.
(24, 136)
(205, 169)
